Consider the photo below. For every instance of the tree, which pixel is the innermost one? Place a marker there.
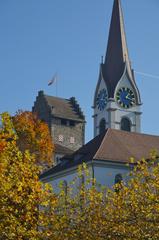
(30, 209)
(130, 213)
(34, 135)
(21, 192)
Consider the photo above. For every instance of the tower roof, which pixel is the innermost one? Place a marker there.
(117, 57)
(59, 107)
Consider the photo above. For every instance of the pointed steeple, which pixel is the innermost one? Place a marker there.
(117, 57)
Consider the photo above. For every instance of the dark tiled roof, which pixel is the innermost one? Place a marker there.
(65, 108)
(63, 150)
(112, 145)
(117, 57)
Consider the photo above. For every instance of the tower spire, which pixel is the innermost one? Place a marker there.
(117, 98)
(117, 56)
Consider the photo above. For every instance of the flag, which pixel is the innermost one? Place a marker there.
(53, 80)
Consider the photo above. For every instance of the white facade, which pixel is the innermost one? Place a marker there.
(103, 171)
(56, 179)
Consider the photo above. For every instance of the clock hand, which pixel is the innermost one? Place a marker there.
(128, 97)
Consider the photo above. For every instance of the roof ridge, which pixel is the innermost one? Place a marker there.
(60, 98)
(135, 133)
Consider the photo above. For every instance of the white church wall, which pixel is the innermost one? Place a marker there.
(56, 181)
(105, 173)
(69, 176)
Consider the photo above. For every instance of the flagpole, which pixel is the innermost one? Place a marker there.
(54, 81)
(56, 87)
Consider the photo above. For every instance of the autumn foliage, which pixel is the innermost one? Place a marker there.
(21, 192)
(33, 134)
(30, 210)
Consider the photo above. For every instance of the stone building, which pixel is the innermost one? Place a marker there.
(66, 122)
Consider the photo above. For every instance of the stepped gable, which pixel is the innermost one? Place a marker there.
(63, 108)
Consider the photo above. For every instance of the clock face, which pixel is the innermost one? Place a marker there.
(125, 97)
(101, 100)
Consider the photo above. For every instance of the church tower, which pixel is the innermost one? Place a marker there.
(117, 99)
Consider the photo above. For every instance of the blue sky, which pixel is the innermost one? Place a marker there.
(41, 37)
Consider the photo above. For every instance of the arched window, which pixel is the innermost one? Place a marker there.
(118, 178)
(118, 182)
(126, 125)
(102, 126)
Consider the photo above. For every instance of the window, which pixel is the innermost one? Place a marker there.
(58, 160)
(126, 125)
(72, 140)
(60, 138)
(72, 123)
(118, 182)
(118, 178)
(102, 126)
(63, 122)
